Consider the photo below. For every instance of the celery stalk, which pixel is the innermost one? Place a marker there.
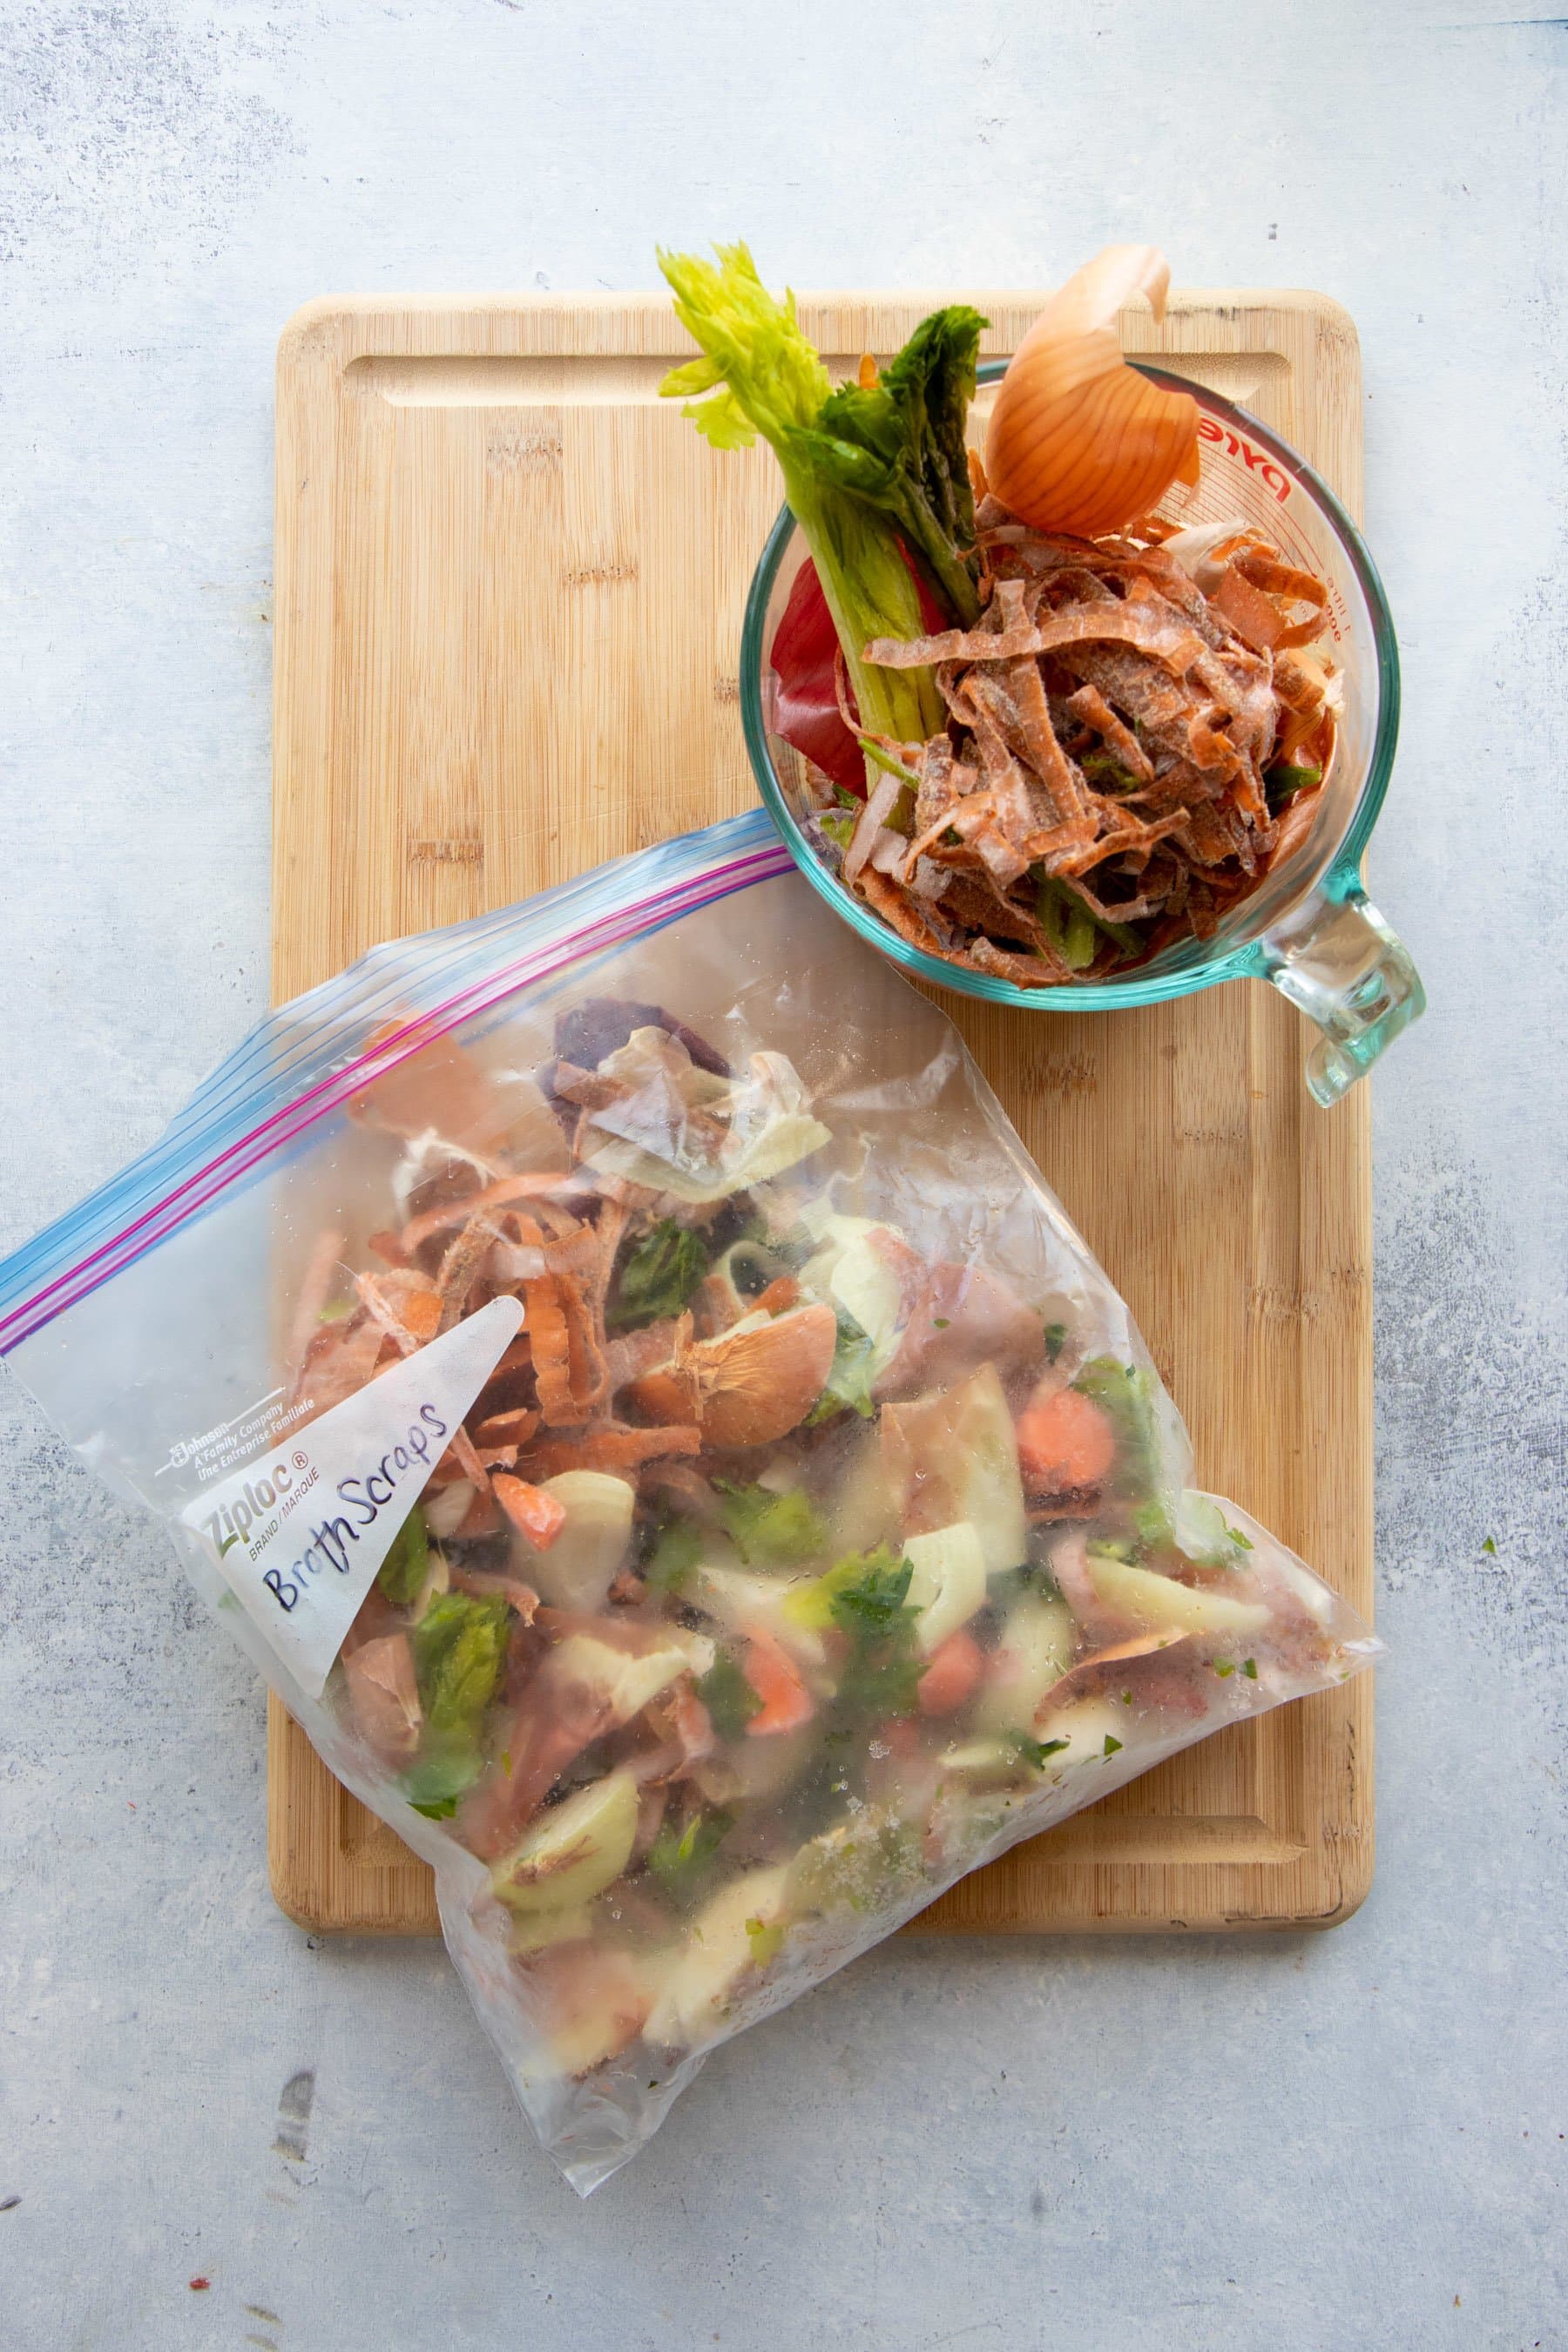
(764, 376)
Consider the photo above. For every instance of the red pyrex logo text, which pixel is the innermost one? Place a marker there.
(1253, 459)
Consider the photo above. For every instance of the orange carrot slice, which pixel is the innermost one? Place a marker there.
(1065, 1443)
(409, 1313)
(953, 1674)
(540, 1516)
(514, 1428)
(779, 1297)
(786, 1702)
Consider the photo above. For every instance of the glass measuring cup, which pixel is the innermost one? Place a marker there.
(1310, 929)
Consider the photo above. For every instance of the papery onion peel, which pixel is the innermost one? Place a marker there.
(1079, 441)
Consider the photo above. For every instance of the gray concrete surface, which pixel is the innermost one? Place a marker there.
(1335, 2144)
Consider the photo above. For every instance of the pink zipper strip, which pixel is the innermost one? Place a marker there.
(329, 1094)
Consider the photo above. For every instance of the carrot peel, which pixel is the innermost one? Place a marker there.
(770, 1671)
(538, 1515)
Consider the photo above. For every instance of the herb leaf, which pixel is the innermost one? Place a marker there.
(1282, 782)
(868, 1603)
(870, 1598)
(1122, 1392)
(1034, 1751)
(849, 1379)
(769, 1530)
(679, 1859)
(729, 1697)
(458, 1646)
(657, 1276)
(866, 1596)
(676, 1553)
(403, 1570)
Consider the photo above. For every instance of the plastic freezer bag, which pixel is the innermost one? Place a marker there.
(617, 1373)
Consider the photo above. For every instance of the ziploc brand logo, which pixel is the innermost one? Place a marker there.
(299, 1532)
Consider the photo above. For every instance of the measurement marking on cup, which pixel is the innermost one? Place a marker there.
(294, 2103)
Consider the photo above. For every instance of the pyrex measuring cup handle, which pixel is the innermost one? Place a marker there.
(1337, 959)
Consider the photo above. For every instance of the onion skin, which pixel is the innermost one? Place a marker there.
(1080, 442)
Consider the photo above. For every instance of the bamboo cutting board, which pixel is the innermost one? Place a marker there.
(509, 583)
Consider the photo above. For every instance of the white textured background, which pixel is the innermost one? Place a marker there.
(1356, 2141)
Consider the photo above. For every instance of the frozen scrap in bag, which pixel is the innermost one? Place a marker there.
(748, 1506)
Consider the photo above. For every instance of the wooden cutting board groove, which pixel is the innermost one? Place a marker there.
(509, 593)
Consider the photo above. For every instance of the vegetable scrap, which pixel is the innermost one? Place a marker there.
(1059, 734)
(782, 1571)
(1079, 441)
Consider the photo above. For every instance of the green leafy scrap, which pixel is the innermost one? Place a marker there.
(1072, 926)
(899, 444)
(868, 1599)
(866, 1596)
(771, 1529)
(865, 1592)
(1151, 1524)
(1106, 773)
(401, 1574)
(1125, 1394)
(1066, 922)
(882, 1680)
(460, 1646)
(1282, 782)
(459, 1649)
(444, 1770)
(728, 1697)
(657, 1276)
(1033, 1752)
(851, 1375)
(677, 1552)
(681, 1859)
(869, 1591)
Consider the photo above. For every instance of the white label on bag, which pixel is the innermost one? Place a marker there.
(301, 1530)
